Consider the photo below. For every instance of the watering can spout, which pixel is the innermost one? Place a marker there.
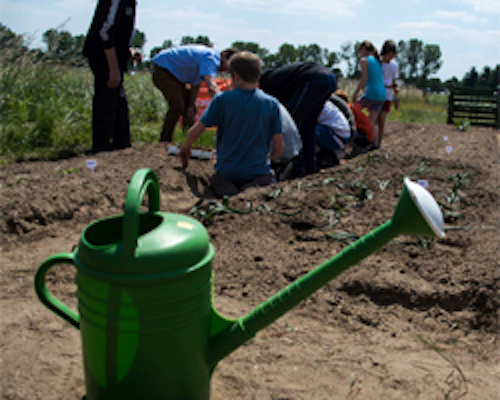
(417, 213)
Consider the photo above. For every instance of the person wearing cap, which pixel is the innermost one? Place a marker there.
(178, 73)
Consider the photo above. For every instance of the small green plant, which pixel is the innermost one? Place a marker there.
(423, 169)
(461, 124)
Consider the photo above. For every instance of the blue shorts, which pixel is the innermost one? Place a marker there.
(327, 139)
(372, 105)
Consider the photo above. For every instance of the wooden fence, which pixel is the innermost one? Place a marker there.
(479, 106)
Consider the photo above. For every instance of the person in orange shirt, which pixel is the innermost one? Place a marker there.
(363, 131)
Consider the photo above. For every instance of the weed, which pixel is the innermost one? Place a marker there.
(456, 380)
(461, 124)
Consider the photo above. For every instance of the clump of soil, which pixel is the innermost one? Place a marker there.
(418, 319)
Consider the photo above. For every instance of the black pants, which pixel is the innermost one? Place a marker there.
(110, 121)
(305, 107)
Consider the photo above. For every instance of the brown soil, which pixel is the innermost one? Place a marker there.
(417, 319)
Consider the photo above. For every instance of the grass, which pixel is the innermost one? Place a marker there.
(413, 105)
(431, 109)
(46, 110)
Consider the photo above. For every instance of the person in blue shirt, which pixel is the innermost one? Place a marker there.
(178, 73)
(247, 121)
(372, 78)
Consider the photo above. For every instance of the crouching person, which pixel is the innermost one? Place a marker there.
(332, 134)
(247, 121)
(362, 135)
(283, 165)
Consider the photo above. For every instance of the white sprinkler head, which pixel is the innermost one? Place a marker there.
(427, 206)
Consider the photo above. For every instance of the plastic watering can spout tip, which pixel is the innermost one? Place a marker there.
(417, 212)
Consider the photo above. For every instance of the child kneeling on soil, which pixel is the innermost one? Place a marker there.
(362, 136)
(332, 133)
(247, 121)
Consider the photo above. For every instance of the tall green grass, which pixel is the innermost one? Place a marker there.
(46, 110)
(429, 109)
(413, 105)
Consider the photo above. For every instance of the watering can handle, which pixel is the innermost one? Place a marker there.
(144, 179)
(44, 294)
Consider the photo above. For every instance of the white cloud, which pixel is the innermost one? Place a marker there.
(484, 6)
(457, 16)
(446, 31)
(318, 8)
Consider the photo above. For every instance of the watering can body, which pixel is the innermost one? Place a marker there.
(144, 301)
(148, 326)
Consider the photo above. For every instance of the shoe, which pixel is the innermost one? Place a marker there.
(286, 172)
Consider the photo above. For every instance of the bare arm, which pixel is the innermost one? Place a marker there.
(114, 71)
(278, 146)
(364, 78)
(193, 134)
(213, 89)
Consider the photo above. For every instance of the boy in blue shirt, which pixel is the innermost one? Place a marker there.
(248, 121)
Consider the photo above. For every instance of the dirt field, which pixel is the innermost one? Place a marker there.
(417, 319)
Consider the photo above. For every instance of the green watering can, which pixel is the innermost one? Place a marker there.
(148, 326)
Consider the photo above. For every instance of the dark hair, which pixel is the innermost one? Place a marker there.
(229, 52)
(366, 44)
(388, 47)
(247, 65)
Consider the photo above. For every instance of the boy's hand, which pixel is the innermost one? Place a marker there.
(184, 155)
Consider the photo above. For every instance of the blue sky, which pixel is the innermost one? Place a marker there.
(467, 31)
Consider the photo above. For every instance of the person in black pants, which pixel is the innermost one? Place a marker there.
(303, 89)
(107, 48)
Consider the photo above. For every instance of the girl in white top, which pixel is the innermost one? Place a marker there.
(390, 71)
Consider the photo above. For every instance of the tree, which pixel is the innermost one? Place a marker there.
(50, 38)
(252, 47)
(471, 78)
(311, 53)
(349, 55)
(413, 58)
(418, 61)
(63, 47)
(165, 45)
(431, 60)
(199, 40)
(12, 45)
(139, 39)
(286, 54)
(332, 59)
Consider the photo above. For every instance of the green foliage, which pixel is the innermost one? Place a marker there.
(63, 47)
(431, 109)
(139, 39)
(252, 47)
(40, 105)
(462, 124)
(199, 39)
(46, 110)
